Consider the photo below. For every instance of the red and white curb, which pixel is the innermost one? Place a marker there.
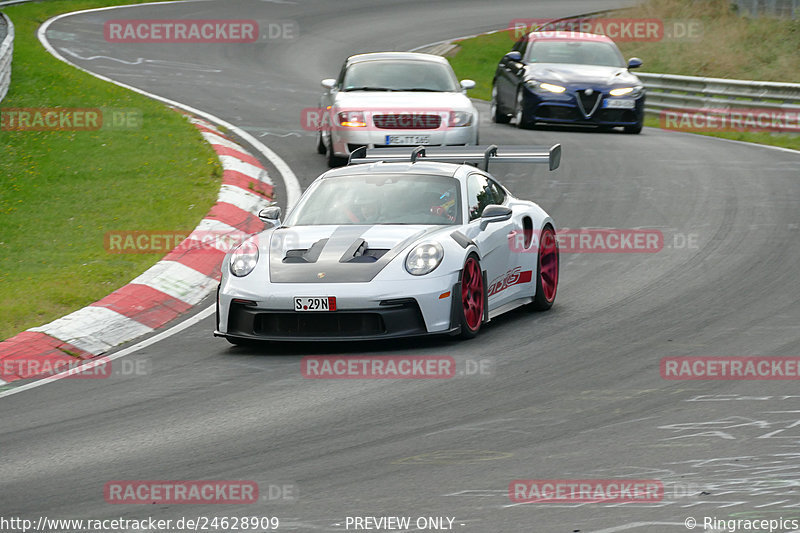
(182, 279)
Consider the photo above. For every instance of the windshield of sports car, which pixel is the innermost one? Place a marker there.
(380, 199)
(395, 75)
(576, 52)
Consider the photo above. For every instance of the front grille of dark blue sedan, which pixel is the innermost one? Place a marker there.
(588, 102)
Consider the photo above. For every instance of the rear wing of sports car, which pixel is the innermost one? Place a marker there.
(473, 155)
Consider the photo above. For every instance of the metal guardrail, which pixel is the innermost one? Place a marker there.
(671, 91)
(773, 8)
(6, 53)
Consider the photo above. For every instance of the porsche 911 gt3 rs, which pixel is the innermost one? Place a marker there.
(401, 242)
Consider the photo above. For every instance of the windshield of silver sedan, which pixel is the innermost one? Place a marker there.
(380, 199)
(384, 75)
(576, 53)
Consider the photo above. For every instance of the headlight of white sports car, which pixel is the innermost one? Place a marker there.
(244, 259)
(424, 258)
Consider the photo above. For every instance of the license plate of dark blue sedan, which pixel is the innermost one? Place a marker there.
(619, 103)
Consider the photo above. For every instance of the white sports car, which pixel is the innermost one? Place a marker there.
(401, 242)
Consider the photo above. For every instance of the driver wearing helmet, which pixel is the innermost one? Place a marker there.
(367, 208)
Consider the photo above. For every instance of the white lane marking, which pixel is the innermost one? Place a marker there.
(142, 61)
(177, 280)
(189, 322)
(290, 182)
(94, 329)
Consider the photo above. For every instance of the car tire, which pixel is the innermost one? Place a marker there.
(321, 149)
(473, 297)
(523, 122)
(497, 116)
(333, 159)
(636, 128)
(547, 262)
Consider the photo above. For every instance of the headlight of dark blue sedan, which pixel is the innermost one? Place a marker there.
(543, 87)
(633, 92)
(244, 259)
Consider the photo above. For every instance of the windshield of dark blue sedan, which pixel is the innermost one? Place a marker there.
(380, 199)
(576, 53)
(424, 76)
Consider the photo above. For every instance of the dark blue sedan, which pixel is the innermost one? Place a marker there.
(565, 77)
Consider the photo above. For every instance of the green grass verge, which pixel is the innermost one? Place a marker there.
(61, 191)
(731, 46)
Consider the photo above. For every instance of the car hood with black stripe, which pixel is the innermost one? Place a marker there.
(341, 254)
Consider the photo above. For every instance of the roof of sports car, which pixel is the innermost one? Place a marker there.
(428, 168)
(375, 56)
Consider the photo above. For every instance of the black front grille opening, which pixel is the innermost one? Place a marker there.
(558, 112)
(319, 324)
(616, 115)
(588, 101)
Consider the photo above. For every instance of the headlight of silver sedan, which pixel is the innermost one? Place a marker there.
(459, 119)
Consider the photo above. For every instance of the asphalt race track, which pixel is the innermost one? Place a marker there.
(574, 393)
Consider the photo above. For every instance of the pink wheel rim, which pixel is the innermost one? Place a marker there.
(548, 264)
(472, 294)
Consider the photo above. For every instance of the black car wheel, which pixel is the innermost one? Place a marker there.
(320, 143)
(333, 159)
(497, 116)
(636, 128)
(523, 121)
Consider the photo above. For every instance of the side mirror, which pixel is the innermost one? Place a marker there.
(467, 84)
(328, 83)
(514, 56)
(271, 215)
(494, 213)
(634, 62)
